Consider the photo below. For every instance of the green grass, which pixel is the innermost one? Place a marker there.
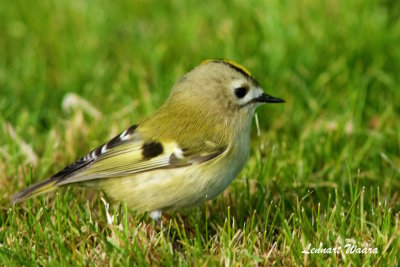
(325, 169)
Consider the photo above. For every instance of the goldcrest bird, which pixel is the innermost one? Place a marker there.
(187, 152)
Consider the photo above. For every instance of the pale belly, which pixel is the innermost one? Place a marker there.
(176, 188)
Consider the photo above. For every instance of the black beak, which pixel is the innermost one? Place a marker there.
(264, 98)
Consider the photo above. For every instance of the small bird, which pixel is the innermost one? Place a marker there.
(187, 152)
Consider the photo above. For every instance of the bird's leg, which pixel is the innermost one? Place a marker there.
(156, 216)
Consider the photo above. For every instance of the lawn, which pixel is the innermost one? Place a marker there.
(322, 183)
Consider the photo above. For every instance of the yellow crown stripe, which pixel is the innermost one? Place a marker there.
(233, 64)
(237, 65)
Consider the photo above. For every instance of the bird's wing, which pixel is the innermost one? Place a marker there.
(129, 153)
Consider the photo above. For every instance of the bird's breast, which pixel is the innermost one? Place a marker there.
(219, 174)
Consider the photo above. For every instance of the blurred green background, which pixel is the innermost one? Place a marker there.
(335, 62)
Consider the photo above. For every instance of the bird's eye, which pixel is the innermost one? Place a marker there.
(240, 92)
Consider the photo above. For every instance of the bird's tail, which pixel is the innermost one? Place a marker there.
(34, 190)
